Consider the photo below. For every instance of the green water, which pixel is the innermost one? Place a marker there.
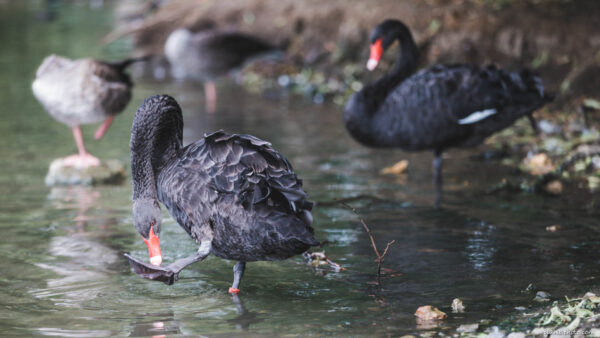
(63, 273)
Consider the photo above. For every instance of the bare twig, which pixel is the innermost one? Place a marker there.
(380, 257)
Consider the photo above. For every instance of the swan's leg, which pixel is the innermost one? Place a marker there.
(437, 176)
(533, 123)
(238, 272)
(210, 95)
(83, 159)
(201, 254)
(104, 127)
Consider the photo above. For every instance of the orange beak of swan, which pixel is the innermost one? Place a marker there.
(376, 52)
(153, 248)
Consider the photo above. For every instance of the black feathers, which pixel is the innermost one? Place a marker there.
(233, 190)
(433, 108)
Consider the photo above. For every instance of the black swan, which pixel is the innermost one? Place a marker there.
(206, 55)
(437, 108)
(235, 195)
(83, 91)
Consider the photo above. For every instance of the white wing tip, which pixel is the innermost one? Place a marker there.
(477, 116)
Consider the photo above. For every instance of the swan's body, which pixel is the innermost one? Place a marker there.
(233, 194)
(207, 55)
(437, 108)
(83, 91)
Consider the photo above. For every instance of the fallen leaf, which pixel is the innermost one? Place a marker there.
(457, 305)
(591, 103)
(396, 169)
(538, 164)
(554, 187)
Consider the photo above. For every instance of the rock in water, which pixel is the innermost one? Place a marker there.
(108, 172)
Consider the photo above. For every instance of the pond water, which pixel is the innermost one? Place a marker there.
(63, 270)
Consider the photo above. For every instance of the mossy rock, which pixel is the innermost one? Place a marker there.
(108, 172)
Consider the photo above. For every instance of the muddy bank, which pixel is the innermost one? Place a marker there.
(558, 39)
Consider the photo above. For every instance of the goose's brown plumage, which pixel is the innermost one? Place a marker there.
(83, 91)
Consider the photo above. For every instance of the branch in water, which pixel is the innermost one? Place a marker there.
(380, 257)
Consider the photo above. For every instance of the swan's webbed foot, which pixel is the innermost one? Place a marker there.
(153, 272)
(168, 274)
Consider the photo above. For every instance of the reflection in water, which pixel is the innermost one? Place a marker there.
(80, 198)
(156, 328)
(80, 259)
(244, 318)
(479, 249)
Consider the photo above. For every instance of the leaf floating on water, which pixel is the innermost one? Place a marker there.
(457, 305)
(428, 312)
(319, 258)
(396, 169)
(553, 228)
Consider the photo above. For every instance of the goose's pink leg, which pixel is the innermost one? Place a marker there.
(210, 95)
(83, 159)
(104, 127)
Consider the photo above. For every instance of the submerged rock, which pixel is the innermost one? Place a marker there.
(542, 296)
(108, 172)
(428, 312)
(467, 328)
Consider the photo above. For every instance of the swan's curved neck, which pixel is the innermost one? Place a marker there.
(404, 66)
(156, 141)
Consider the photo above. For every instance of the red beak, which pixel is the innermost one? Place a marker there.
(153, 248)
(376, 52)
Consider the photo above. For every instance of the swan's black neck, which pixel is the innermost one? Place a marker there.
(405, 66)
(156, 140)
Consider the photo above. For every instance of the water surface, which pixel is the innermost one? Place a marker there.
(63, 273)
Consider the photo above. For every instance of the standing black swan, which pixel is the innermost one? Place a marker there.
(83, 91)
(206, 55)
(438, 108)
(235, 195)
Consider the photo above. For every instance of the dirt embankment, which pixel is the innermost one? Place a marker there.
(559, 40)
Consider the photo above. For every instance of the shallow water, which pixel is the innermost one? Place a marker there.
(63, 273)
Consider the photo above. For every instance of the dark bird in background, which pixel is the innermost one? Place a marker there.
(235, 195)
(83, 91)
(209, 54)
(437, 108)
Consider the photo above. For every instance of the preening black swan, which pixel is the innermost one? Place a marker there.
(438, 108)
(83, 91)
(206, 55)
(235, 195)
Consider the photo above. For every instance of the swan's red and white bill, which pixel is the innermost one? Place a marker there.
(375, 56)
(153, 243)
